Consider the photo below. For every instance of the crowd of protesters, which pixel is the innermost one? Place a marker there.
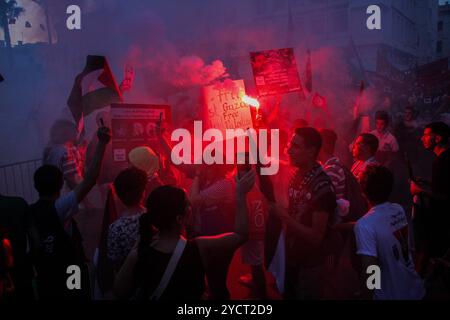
(170, 232)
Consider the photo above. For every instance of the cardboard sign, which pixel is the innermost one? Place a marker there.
(275, 72)
(225, 108)
(134, 125)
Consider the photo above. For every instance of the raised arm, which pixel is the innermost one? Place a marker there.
(82, 189)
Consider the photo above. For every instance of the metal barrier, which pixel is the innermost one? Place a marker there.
(16, 179)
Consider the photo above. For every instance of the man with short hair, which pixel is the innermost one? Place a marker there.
(387, 142)
(312, 205)
(364, 150)
(382, 240)
(56, 241)
(437, 220)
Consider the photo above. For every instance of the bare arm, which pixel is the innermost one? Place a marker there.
(82, 189)
(422, 187)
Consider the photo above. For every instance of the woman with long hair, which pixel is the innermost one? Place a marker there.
(163, 264)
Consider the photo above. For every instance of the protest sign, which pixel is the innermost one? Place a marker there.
(224, 106)
(134, 125)
(275, 72)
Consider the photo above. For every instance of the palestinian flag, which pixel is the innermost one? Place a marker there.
(94, 89)
(274, 246)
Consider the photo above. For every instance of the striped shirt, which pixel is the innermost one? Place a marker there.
(333, 168)
(68, 158)
(360, 166)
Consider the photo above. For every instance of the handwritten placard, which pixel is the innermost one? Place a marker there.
(224, 106)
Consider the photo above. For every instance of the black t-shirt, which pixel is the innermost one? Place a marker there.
(187, 281)
(439, 215)
(310, 193)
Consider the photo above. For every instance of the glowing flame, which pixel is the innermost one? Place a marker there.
(250, 101)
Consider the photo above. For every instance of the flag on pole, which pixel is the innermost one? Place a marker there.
(94, 89)
(274, 249)
(355, 63)
(308, 72)
(357, 105)
(290, 29)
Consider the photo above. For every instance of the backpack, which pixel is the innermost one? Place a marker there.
(353, 193)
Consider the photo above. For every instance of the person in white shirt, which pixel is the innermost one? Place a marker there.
(382, 240)
(387, 142)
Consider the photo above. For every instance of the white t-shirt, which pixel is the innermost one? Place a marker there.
(383, 233)
(386, 141)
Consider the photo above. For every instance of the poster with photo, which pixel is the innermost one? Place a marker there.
(275, 72)
(134, 125)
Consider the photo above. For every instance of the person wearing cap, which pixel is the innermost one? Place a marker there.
(145, 159)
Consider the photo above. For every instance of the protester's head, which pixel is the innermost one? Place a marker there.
(48, 181)
(130, 186)
(409, 114)
(435, 134)
(381, 121)
(377, 183)
(144, 158)
(300, 123)
(167, 209)
(329, 138)
(365, 147)
(304, 147)
(63, 131)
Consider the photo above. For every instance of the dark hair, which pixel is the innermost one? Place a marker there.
(163, 204)
(329, 138)
(370, 140)
(300, 123)
(410, 108)
(377, 183)
(441, 129)
(48, 180)
(311, 137)
(382, 115)
(130, 185)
